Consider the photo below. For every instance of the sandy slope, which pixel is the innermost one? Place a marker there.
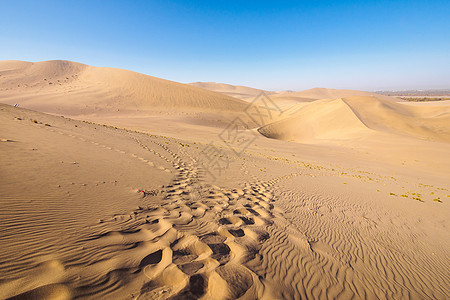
(236, 91)
(71, 88)
(326, 119)
(355, 207)
(301, 222)
(356, 117)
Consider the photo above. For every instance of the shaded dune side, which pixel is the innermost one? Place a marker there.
(380, 114)
(74, 88)
(354, 117)
(322, 119)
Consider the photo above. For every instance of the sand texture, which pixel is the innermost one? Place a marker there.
(344, 196)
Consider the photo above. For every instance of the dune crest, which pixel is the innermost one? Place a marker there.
(72, 88)
(325, 119)
(322, 93)
(236, 91)
(289, 99)
(397, 118)
(356, 117)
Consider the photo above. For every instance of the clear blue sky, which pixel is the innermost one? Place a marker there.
(275, 45)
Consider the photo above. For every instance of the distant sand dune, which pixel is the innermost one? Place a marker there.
(289, 99)
(236, 91)
(324, 93)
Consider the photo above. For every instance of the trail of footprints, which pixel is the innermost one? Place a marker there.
(201, 236)
(205, 242)
(198, 241)
(195, 245)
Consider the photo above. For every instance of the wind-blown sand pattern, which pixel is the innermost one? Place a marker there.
(101, 212)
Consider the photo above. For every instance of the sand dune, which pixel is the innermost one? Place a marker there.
(92, 211)
(287, 100)
(354, 117)
(324, 93)
(236, 91)
(284, 99)
(171, 200)
(384, 115)
(70, 88)
(325, 119)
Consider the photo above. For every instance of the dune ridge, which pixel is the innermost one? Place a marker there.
(325, 93)
(236, 91)
(355, 117)
(289, 99)
(72, 88)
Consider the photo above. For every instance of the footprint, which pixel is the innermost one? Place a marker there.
(151, 259)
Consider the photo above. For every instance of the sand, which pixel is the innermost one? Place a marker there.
(347, 198)
(353, 118)
(236, 91)
(63, 87)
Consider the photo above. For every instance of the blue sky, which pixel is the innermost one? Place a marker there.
(275, 45)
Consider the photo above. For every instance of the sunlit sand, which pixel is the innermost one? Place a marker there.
(119, 185)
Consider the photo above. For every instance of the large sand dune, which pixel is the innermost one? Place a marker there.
(71, 88)
(161, 205)
(355, 117)
(325, 119)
